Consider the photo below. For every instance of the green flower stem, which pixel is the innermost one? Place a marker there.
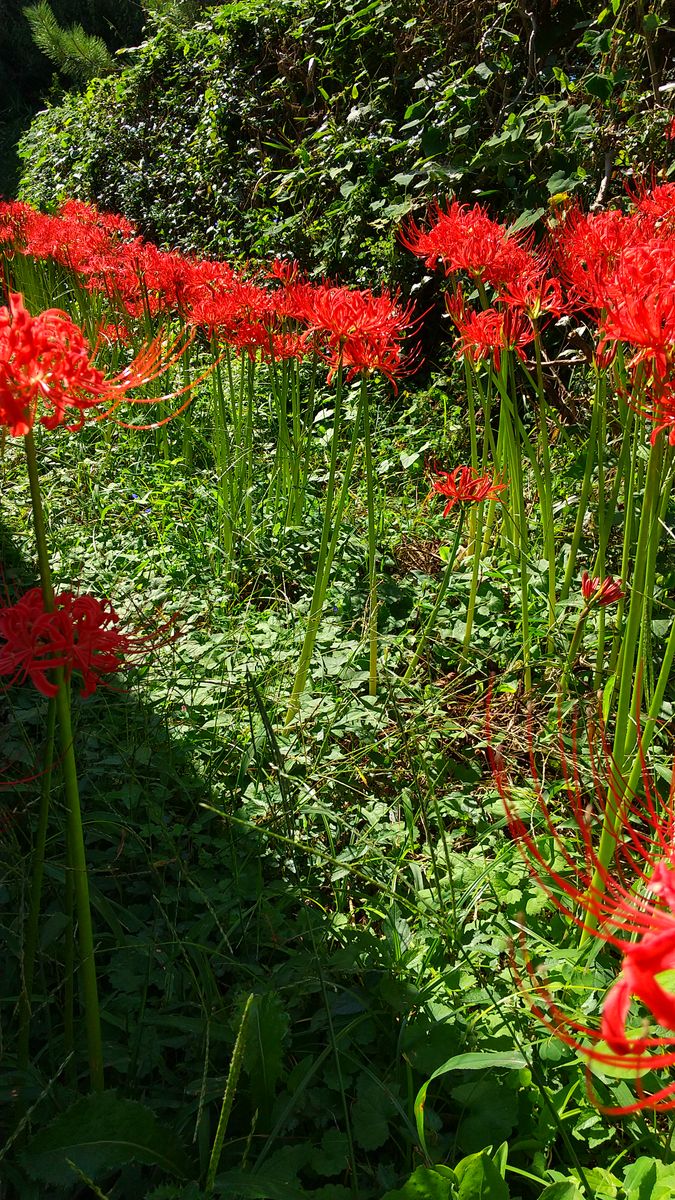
(474, 443)
(69, 976)
(31, 937)
(326, 551)
(573, 650)
(625, 749)
(372, 548)
(187, 415)
(598, 400)
(475, 572)
(627, 552)
(519, 517)
(433, 615)
(641, 590)
(78, 865)
(615, 809)
(546, 493)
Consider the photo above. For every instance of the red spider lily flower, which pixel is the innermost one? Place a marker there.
(46, 362)
(356, 328)
(640, 305)
(670, 131)
(464, 485)
(14, 215)
(81, 635)
(662, 412)
(587, 249)
(490, 332)
(77, 236)
(656, 209)
(467, 239)
(632, 907)
(600, 592)
(536, 295)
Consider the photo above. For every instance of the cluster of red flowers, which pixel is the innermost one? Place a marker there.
(618, 269)
(280, 316)
(628, 904)
(46, 363)
(81, 635)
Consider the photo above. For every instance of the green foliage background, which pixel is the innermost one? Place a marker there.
(309, 128)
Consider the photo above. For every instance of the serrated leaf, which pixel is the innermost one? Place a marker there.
(371, 1111)
(99, 1133)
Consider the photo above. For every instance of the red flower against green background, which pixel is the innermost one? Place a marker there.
(600, 592)
(467, 240)
(82, 635)
(465, 485)
(47, 372)
(629, 905)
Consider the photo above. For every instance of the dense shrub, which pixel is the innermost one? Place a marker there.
(311, 129)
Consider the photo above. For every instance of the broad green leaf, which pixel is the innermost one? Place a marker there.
(263, 1185)
(424, 1184)
(479, 1179)
(267, 1028)
(639, 1179)
(99, 1133)
(479, 1061)
(565, 1189)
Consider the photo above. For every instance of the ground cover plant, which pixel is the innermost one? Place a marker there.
(337, 798)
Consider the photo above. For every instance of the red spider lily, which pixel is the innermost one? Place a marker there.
(467, 239)
(536, 295)
(656, 209)
(46, 362)
(464, 485)
(81, 635)
(640, 305)
(14, 215)
(77, 235)
(587, 249)
(629, 905)
(662, 412)
(489, 332)
(356, 328)
(600, 592)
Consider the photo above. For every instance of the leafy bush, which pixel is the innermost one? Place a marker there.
(310, 129)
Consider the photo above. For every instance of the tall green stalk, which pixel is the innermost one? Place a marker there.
(35, 898)
(77, 857)
(372, 548)
(332, 520)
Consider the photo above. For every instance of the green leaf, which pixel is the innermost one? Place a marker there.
(268, 1025)
(600, 86)
(479, 1061)
(263, 1185)
(639, 1179)
(371, 1111)
(424, 1184)
(479, 1179)
(565, 1189)
(98, 1134)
